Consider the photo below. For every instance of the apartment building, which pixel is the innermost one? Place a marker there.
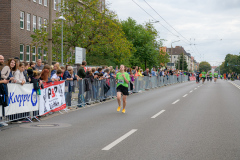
(176, 53)
(18, 20)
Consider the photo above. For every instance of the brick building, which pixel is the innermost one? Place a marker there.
(18, 19)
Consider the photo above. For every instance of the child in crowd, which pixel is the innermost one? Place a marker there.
(57, 76)
(19, 76)
(37, 83)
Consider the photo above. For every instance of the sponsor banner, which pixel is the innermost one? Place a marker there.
(192, 78)
(21, 98)
(52, 97)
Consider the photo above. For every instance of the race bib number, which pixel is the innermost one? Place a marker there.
(120, 81)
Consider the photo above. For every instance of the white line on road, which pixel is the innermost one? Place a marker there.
(158, 114)
(190, 91)
(195, 88)
(185, 95)
(176, 101)
(108, 147)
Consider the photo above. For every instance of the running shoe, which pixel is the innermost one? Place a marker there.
(118, 109)
(123, 111)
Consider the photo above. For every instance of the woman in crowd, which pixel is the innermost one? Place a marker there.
(55, 68)
(45, 75)
(8, 71)
(19, 76)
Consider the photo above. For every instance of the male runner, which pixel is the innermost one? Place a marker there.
(122, 79)
(197, 76)
(210, 76)
(203, 76)
(215, 76)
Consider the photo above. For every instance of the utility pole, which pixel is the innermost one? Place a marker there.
(50, 34)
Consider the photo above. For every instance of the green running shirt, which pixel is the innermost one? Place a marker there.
(120, 79)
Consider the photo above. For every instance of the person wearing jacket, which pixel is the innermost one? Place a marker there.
(19, 76)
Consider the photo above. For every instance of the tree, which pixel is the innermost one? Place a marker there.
(204, 66)
(145, 44)
(183, 63)
(85, 26)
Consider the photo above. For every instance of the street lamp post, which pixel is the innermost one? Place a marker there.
(63, 19)
(171, 51)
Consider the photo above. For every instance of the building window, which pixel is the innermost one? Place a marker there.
(59, 5)
(174, 56)
(45, 24)
(40, 1)
(34, 22)
(55, 4)
(22, 20)
(39, 52)
(28, 22)
(34, 54)
(39, 23)
(21, 52)
(27, 53)
(45, 3)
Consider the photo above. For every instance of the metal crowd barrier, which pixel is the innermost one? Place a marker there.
(91, 91)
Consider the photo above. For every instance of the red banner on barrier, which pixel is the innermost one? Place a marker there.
(192, 78)
(52, 98)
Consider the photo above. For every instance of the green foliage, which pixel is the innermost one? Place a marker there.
(99, 32)
(145, 51)
(183, 63)
(204, 66)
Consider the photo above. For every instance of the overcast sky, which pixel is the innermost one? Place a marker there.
(212, 25)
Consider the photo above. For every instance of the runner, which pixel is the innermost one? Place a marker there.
(203, 76)
(122, 79)
(197, 76)
(210, 76)
(215, 76)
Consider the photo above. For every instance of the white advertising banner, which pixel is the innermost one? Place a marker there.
(52, 97)
(21, 98)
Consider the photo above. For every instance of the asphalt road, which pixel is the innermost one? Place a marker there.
(185, 121)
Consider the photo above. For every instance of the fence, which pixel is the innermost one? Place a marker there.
(92, 91)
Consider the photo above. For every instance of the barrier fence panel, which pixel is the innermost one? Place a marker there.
(81, 89)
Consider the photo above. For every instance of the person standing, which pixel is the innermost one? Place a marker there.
(122, 79)
(81, 72)
(3, 91)
(39, 65)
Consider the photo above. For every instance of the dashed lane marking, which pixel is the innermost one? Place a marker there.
(158, 114)
(190, 91)
(176, 101)
(111, 145)
(185, 95)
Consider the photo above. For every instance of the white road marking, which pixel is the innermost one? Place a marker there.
(195, 88)
(176, 101)
(190, 91)
(185, 95)
(108, 147)
(158, 114)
